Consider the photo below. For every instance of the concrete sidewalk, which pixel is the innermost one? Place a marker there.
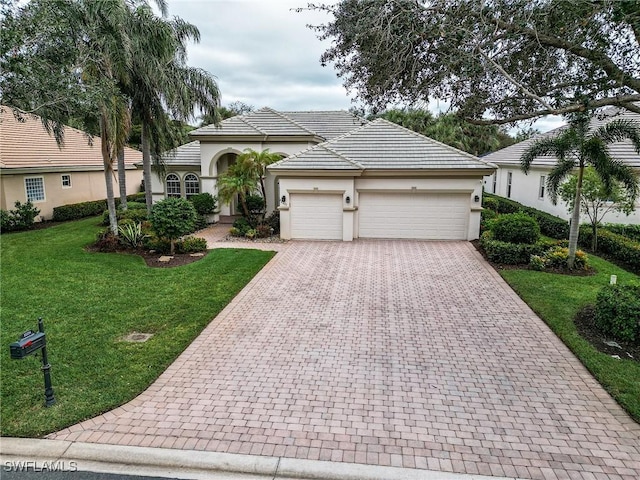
(190, 464)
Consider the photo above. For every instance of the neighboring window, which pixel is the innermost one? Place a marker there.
(543, 185)
(66, 181)
(509, 179)
(191, 185)
(495, 181)
(34, 187)
(173, 186)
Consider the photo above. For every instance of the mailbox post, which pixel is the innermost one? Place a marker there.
(29, 343)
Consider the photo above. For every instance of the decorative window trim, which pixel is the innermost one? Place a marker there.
(68, 183)
(174, 183)
(41, 186)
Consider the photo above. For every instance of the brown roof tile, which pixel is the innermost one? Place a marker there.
(27, 144)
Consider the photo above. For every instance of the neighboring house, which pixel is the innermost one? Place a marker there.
(510, 181)
(342, 177)
(33, 166)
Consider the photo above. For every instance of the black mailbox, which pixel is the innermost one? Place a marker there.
(30, 343)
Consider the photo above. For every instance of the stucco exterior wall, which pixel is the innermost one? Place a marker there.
(526, 190)
(85, 186)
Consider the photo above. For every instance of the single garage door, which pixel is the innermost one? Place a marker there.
(430, 216)
(316, 216)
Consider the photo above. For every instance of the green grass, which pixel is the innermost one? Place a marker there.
(88, 302)
(557, 299)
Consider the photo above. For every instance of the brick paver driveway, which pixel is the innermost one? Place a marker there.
(402, 353)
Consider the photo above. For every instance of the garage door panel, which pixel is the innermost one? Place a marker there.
(413, 215)
(316, 216)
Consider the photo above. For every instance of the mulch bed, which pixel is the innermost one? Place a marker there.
(586, 325)
(177, 259)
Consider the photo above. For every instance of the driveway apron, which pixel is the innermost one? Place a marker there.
(402, 353)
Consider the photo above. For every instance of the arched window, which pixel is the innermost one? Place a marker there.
(173, 186)
(191, 185)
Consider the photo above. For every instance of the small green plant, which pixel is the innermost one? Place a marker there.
(263, 230)
(106, 241)
(273, 220)
(204, 203)
(172, 218)
(242, 225)
(191, 245)
(131, 234)
(557, 257)
(234, 232)
(537, 262)
(618, 311)
(516, 228)
(251, 233)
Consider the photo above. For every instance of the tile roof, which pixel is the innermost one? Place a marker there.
(187, 154)
(28, 145)
(381, 145)
(268, 122)
(623, 151)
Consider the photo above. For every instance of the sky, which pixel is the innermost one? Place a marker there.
(263, 54)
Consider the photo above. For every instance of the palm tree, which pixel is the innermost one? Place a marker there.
(239, 180)
(256, 163)
(160, 80)
(575, 147)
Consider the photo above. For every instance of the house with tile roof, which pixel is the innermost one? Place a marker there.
(34, 167)
(341, 177)
(509, 181)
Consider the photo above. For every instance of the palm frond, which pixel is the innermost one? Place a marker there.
(557, 175)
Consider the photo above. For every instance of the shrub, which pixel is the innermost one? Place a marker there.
(191, 245)
(263, 230)
(537, 262)
(486, 218)
(131, 234)
(255, 204)
(201, 222)
(242, 225)
(136, 205)
(251, 233)
(557, 257)
(5, 221)
(159, 245)
(516, 228)
(507, 253)
(22, 217)
(273, 220)
(204, 203)
(135, 214)
(172, 218)
(106, 241)
(234, 232)
(550, 225)
(618, 311)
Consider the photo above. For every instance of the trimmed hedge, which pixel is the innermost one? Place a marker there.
(550, 225)
(620, 248)
(516, 228)
(629, 231)
(512, 253)
(76, 211)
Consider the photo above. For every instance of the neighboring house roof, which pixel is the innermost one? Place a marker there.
(187, 154)
(381, 145)
(266, 122)
(623, 151)
(27, 145)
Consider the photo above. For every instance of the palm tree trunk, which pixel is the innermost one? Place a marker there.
(108, 177)
(575, 221)
(122, 180)
(146, 167)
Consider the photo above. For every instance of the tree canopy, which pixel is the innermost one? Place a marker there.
(499, 61)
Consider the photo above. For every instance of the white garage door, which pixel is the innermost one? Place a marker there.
(431, 216)
(316, 216)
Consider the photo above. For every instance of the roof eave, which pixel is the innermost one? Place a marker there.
(256, 138)
(307, 172)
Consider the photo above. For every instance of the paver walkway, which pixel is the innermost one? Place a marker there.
(403, 353)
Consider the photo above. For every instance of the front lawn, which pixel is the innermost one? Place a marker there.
(557, 298)
(89, 301)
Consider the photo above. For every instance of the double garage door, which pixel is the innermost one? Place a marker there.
(430, 216)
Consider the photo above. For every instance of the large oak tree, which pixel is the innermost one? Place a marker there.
(496, 61)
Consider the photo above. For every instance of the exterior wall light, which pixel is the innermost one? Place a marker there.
(476, 198)
(283, 199)
(348, 199)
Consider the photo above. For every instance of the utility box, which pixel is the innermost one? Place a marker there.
(29, 343)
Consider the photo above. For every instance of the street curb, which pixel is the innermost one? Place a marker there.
(199, 464)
